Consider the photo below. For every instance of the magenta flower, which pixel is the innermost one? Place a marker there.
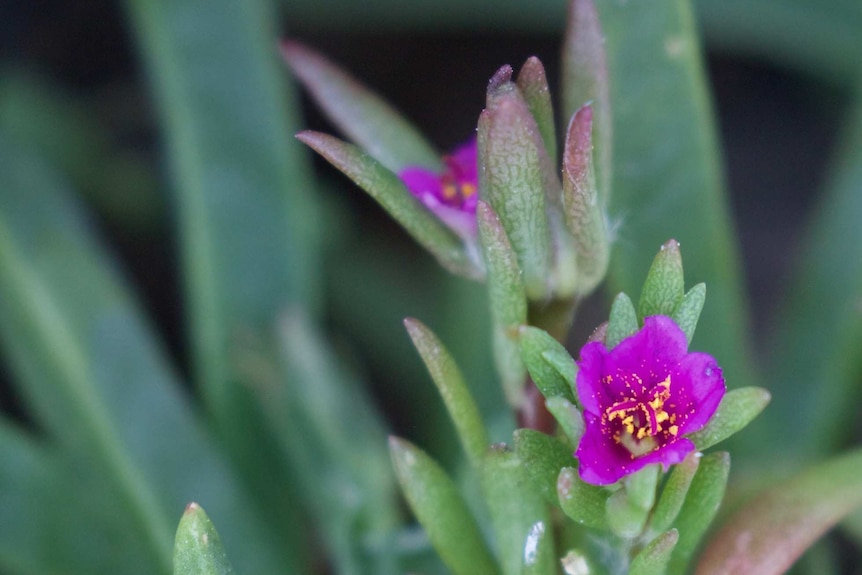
(452, 194)
(641, 399)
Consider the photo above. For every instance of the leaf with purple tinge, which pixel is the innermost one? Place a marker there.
(769, 533)
(366, 118)
(389, 191)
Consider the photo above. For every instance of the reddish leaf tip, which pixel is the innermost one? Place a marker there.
(499, 80)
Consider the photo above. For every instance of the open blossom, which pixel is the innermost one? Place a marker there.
(641, 399)
(452, 194)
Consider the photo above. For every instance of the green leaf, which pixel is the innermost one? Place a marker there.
(585, 81)
(198, 549)
(512, 178)
(737, 409)
(625, 510)
(246, 208)
(568, 416)
(333, 438)
(622, 322)
(673, 493)
(543, 457)
(584, 212)
(664, 286)
(640, 487)
(821, 319)
(769, 533)
(94, 378)
(507, 298)
(363, 116)
(440, 509)
(666, 165)
(700, 507)
(450, 383)
(389, 191)
(654, 558)
(535, 344)
(688, 312)
(537, 548)
(516, 507)
(533, 85)
(582, 502)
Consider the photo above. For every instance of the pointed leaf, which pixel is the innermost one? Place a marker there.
(688, 312)
(247, 219)
(582, 502)
(515, 507)
(666, 166)
(389, 191)
(585, 81)
(364, 117)
(534, 344)
(438, 506)
(664, 286)
(508, 301)
(767, 535)
(584, 212)
(534, 86)
(94, 377)
(821, 319)
(622, 322)
(450, 383)
(625, 518)
(700, 507)
(543, 457)
(737, 409)
(654, 558)
(198, 549)
(331, 435)
(512, 178)
(568, 416)
(673, 493)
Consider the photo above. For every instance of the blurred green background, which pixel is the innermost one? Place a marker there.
(138, 122)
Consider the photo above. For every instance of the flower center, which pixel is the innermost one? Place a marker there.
(636, 423)
(455, 191)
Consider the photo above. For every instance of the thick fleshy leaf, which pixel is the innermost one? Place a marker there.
(516, 507)
(508, 300)
(673, 493)
(569, 417)
(624, 519)
(534, 87)
(543, 457)
(538, 546)
(622, 321)
(653, 559)
(664, 286)
(198, 549)
(666, 165)
(582, 502)
(737, 409)
(94, 378)
(450, 383)
(364, 117)
(688, 311)
(583, 210)
(332, 437)
(535, 344)
(767, 535)
(389, 191)
(700, 507)
(247, 216)
(585, 81)
(441, 510)
(512, 178)
(821, 321)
